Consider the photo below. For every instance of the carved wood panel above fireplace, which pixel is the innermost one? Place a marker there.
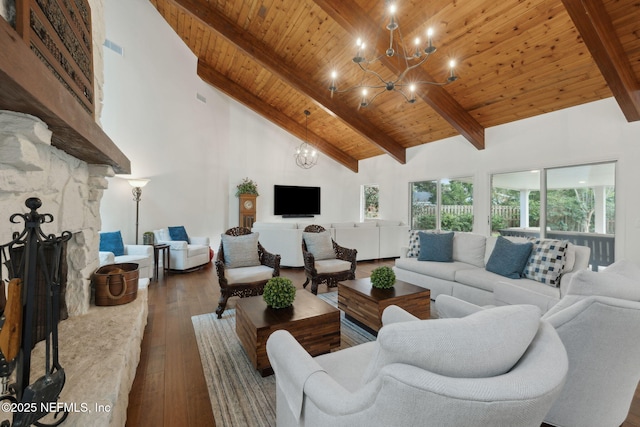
(59, 33)
(28, 86)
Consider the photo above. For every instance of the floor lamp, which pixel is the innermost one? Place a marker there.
(137, 185)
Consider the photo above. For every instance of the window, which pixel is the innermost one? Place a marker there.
(370, 202)
(579, 206)
(446, 204)
(515, 201)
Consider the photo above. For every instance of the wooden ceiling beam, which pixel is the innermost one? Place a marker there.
(270, 60)
(355, 20)
(240, 94)
(594, 25)
(28, 86)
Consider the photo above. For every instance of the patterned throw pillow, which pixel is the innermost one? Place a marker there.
(414, 244)
(547, 261)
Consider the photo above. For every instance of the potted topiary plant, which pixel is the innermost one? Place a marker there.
(279, 292)
(383, 278)
(247, 186)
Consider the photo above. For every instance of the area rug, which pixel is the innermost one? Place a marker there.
(239, 395)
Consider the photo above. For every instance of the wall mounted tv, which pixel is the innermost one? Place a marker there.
(293, 201)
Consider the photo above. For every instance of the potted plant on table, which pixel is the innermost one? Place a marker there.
(383, 278)
(279, 292)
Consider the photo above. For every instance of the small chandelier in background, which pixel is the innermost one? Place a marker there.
(306, 156)
(412, 58)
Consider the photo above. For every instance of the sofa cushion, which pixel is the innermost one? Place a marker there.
(508, 259)
(414, 244)
(484, 344)
(486, 280)
(614, 283)
(469, 248)
(609, 283)
(440, 270)
(161, 235)
(327, 266)
(112, 242)
(319, 244)
(256, 273)
(436, 247)
(240, 251)
(546, 261)
(179, 233)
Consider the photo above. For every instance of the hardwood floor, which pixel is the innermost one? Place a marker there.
(169, 388)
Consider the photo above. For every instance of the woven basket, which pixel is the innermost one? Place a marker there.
(116, 284)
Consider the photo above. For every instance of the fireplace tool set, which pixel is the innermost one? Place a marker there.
(30, 260)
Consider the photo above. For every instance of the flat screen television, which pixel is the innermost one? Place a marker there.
(294, 201)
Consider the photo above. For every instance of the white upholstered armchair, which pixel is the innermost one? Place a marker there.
(112, 251)
(184, 254)
(500, 367)
(598, 321)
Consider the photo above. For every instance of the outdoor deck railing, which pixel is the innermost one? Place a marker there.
(602, 245)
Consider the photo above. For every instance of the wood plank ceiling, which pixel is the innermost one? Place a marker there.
(516, 59)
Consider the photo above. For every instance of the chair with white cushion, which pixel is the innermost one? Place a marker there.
(500, 367)
(186, 252)
(243, 266)
(325, 261)
(113, 251)
(598, 321)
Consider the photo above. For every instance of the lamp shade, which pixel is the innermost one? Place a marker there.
(138, 182)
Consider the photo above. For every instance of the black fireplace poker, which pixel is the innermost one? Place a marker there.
(29, 257)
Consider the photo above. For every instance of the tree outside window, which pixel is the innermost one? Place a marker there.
(445, 204)
(370, 196)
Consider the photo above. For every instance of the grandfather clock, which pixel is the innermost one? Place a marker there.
(247, 210)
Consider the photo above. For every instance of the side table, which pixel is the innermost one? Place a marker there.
(166, 259)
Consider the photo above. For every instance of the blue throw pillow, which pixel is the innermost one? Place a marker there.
(112, 242)
(508, 259)
(179, 233)
(436, 247)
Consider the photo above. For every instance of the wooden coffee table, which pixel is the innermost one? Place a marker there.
(313, 322)
(364, 304)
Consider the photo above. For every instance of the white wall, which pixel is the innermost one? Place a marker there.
(195, 154)
(589, 133)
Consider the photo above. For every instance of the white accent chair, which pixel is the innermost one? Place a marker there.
(139, 254)
(184, 256)
(500, 367)
(598, 321)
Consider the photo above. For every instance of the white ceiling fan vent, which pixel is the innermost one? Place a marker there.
(201, 98)
(114, 47)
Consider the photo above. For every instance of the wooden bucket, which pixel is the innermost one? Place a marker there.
(116, 284)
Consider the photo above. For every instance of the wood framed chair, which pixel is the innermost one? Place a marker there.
(243, 266)
(325, 261)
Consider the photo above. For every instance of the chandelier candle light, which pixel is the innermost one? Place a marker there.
(412, 58)
(306, 156)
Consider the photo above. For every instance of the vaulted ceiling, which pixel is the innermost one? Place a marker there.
(515, 59)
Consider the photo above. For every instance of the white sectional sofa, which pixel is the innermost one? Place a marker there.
(373, 239)
(466, 277)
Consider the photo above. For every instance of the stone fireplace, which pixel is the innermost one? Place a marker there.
(69, 188)
(51, 149)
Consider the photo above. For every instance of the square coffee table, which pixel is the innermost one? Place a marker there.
(313, 322)
(363, 303)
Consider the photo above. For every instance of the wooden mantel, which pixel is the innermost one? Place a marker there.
(27, 86)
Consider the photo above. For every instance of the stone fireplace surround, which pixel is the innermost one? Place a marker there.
(99, 346)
